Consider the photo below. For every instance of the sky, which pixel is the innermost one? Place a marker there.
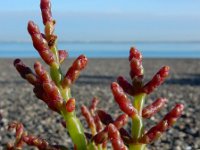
(106, 20)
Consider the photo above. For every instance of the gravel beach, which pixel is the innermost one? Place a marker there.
(17, 101)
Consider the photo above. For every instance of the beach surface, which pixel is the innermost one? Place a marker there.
(17, 101)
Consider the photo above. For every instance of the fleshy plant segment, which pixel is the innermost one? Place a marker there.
(53, 87)
(134, 107)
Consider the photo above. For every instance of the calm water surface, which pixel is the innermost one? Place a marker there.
(108, 49)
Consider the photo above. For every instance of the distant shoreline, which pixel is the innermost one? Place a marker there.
(108, 49)
(115, 42)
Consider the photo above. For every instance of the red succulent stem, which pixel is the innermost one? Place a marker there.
(51, 90)
(137, 70)
(19, 133)
(35, 141)
(40, 44)
(114, 136)
(98, 123)
(89, 119)
(45, 7)
(122, 100)
(157, 80)
(121, 121)
(70, 105)
(93, 106)
(102, 136)
(62, 55)
(23, 138)
(163, 125)
(25, 72)
(135, 53)
(126, 86)
(74, 71)
(105, 118)
(153, 108)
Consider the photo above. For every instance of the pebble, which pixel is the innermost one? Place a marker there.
(18, 102)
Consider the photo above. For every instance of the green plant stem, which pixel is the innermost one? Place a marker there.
(93, 146)
(138, 102)
(137, 127)
(137, 122)
(55, 52)
(55, 70)
(73, 124)
(55, 73)
(75, 130)
(66, 93)
(105, 148)
(137, 147)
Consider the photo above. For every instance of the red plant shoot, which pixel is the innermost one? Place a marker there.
(54, 89)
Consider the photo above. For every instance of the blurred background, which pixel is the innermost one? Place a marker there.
(99, 28)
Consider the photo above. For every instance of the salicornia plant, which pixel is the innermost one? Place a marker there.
(54, 88)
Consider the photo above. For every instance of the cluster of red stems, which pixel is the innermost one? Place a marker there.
(54, 90)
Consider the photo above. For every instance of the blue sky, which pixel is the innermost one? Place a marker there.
(106, 20)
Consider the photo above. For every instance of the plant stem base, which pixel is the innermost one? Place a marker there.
(137, 147)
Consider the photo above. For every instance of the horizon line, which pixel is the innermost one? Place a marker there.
(110, 41)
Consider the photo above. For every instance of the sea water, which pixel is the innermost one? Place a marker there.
(108, 49)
